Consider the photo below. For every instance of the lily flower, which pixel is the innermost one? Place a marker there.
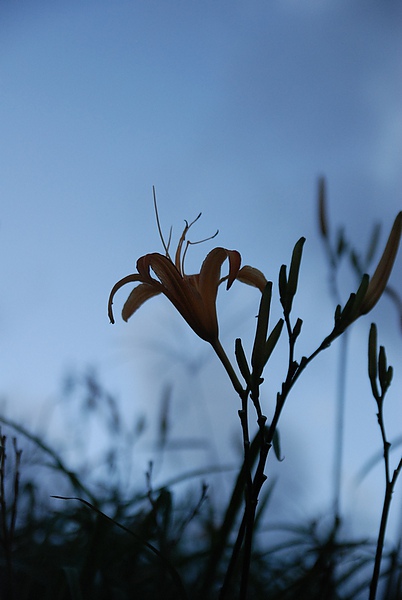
(194, 296)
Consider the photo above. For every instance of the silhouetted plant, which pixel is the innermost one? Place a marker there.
(92, 541)
(194, 296)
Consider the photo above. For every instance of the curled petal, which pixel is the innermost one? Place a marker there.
(194, 296)
(211, 270)
(252, 276)
(137, 297)
(129, 279)
(234, 266)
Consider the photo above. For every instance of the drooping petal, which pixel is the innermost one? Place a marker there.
(137, 297)
(252, 276)
(134, 278)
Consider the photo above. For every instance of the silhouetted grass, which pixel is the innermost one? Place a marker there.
(99, 545)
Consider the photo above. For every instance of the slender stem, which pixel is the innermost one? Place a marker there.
(243, 393)
(389, 489)
(380, 541)
(217, 346)
(247, 525)
(248, 540)
(233, 559)
(253, 485)
(340, 423)
(386, 444)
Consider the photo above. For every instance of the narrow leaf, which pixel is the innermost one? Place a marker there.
(272, 340)
(297, 328)
(283, 285)
(341, 243)
(276, 443)
(257, 356)
(294, 271)
(242, 361)
(372, 360)
(322, 208)
(384, 372)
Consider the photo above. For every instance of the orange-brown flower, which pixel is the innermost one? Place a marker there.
(194, 296)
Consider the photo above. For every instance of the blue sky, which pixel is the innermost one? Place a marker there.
(229, 108)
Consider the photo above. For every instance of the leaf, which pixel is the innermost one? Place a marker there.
(322, 208)
(297, 329)
(283, 285)
(242, 361)
(384, 372)
(341, 243)
(169, 566)
(276, 443)
(372, 361)
(272, 340)
(257, 356)
(294, 272)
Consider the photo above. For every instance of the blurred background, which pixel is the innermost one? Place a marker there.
(232, 109)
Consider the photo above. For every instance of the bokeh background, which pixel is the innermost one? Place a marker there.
(232, 109)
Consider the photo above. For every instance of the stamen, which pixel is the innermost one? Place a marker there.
(165, 246)
(168, 243)
(192, 222)
(178, 263)
(211, 237)
(188, 243)
(179, 260)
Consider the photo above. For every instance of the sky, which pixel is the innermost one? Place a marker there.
(232, 109)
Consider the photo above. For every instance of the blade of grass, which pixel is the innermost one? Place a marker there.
(170, 568)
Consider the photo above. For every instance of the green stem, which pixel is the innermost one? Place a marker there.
(253, 485)
(251, 498)
(217, 346)
(389, 489)
(340, 424)
(380, 541)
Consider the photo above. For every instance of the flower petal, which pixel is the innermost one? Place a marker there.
(211, 270)
(137, 297)
(252, 276)
(171, 283)
(208, 283)
(182, 292)
(129, 279)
